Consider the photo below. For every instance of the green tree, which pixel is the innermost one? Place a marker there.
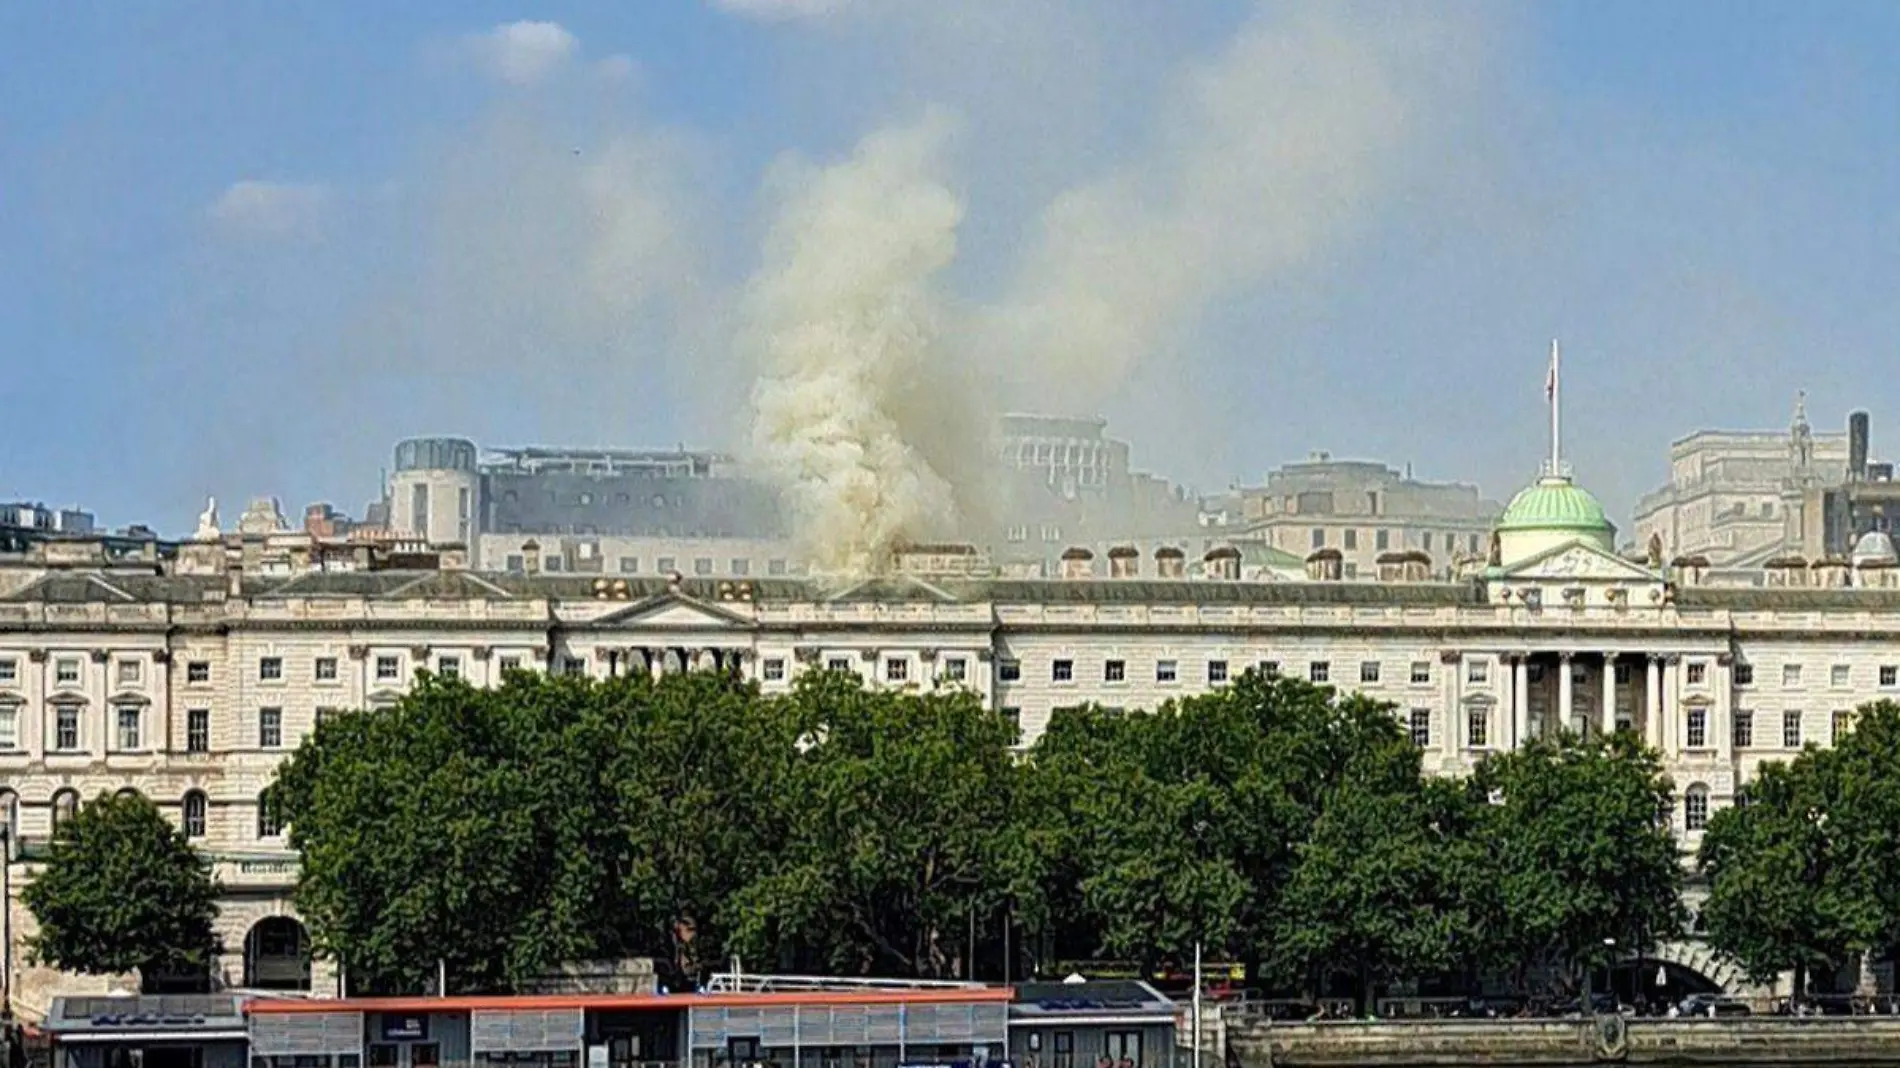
(1585, 860)
(900, 831)
(1391, 882)
(1780, 897)
(506, 831)
(121, 891)
(1862, 806)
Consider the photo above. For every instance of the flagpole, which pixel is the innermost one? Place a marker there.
(1556, 414)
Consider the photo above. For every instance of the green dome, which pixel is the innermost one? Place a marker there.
(1555, 504)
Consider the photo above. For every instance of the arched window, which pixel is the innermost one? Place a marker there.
(1695, 807)
(267, 823)
(129, 791)
(194, 820)
(65, 807)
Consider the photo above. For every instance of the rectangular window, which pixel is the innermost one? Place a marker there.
(128, 720)
(1578, 674)
(449, 667)
(1476, 723)
(1319, 671)
(9, 670)
(129, 672)
(1115, 671)
(896, 670)
(552, 563)
(388, 669)
(326, 669)
(1840, 676)
(1744, 728)
(1382, 540)
(66, 671)
(1421, 727)
(1351, 570)
(1426, 541)
(1014, 716)
(1791, 674)
(1269, 669)
(1319, 538)
(775, 669)
(198, 730)
(838, 664)
(1744, 674)
(667, 565)
(268, 825)
(510, 663)
(9, 727)
(573, 667)
(1697, 729)
(324, 715)
(1216, 671)
(741, 567)
(1695, 810)
(1622, 674)
(1368, 671)
(1478, 672)
(1165, 670)
(1009, 670)
(1352, 538)
(1890, 674)
(1791, 729)
(1421, 672)
(1533, 673)
(702, 565)
(629, 565)
(1843, 721)
(516, 563)
(270, 728)
(1062, 671)
(270, 668)
(775, 567)
(1699, 673)
(1125, 1046)
(956, 669)
(66, 728)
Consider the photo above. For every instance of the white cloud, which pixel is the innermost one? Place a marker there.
(522, 53)
(616, 68)
(275, 210)
(780, 10)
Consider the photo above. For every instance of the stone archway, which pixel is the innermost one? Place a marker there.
(1692, 968)
(277, 955)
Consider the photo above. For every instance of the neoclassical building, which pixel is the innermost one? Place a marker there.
(189, 679)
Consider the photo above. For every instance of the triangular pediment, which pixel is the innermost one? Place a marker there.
(675, 611)
(1580, 562)
(892, 589)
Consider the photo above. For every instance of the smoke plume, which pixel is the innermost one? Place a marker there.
(844, 322)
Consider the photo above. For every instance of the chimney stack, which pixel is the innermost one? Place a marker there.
(1170, 562)
(1223, 563)
(1124, 561)
(1857, 447)
(1077, 563)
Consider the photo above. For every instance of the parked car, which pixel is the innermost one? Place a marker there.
(1712, 1005)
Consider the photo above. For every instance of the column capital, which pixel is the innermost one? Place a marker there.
(1566, 655)
(1450, 656)
(161, 656)
(100, 656)
(1672, 659)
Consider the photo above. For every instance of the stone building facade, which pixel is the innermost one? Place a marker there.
(190, 680)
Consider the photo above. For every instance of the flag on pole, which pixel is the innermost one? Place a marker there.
(1550, 379)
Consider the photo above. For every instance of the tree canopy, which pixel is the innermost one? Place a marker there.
(874, 831)
(121, 891)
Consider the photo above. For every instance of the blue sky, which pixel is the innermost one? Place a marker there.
(245, 247)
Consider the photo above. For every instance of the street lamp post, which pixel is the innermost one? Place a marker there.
(1197, 1005)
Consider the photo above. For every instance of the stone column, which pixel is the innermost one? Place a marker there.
(1672, 723)
(1520, 699)
(1452, 664)
(101, 741)
(39, 677)
(1566, 692)
(1652, 702)
(1723, 721)
(162, 698)
(1609, 694)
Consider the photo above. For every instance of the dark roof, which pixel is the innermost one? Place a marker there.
(1099, 997)
(1788, 599)
(144, 1014)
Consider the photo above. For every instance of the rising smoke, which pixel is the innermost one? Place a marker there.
(845, 320)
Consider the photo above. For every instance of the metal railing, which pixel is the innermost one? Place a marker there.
(747, 983)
